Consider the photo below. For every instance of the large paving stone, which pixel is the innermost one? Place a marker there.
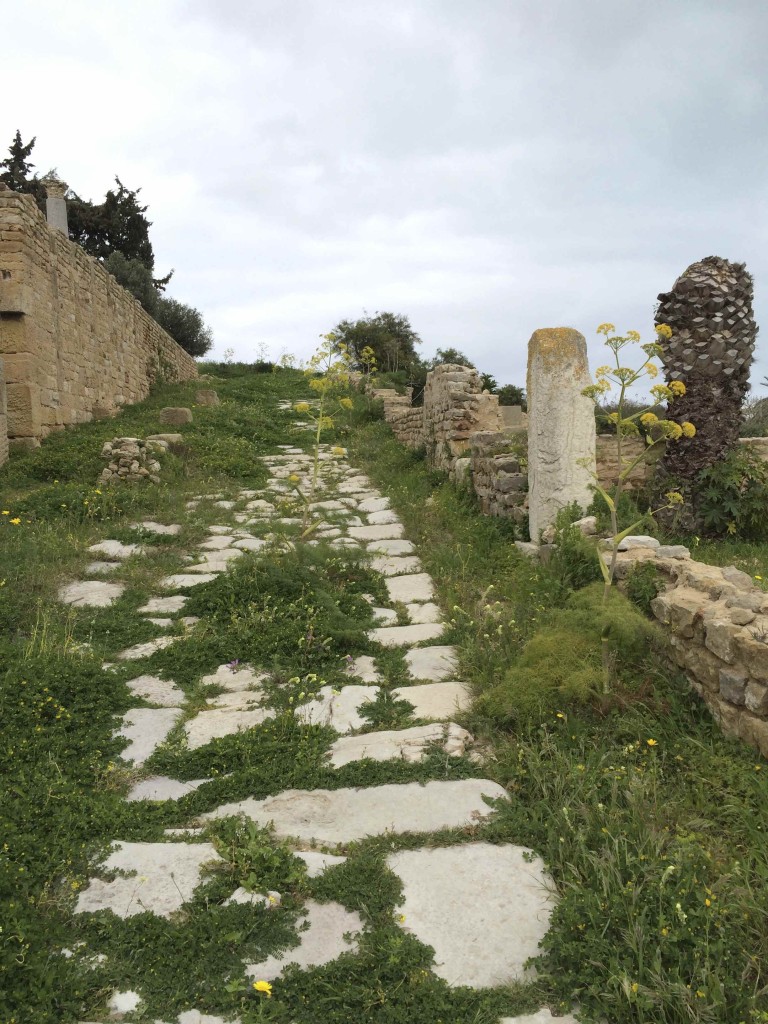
(343, 815)
(100, 568)
(145, 729)
(235, 677)
(184, 580)
(158, 528)
(332, 930)
(407, 589)
(363, 667)
(390, 565)
(404, 636)
(384, 518)
(438, 701)
(157, 691)
(390, 547)
(401, 744)
(161, 787)
(115, 549)
(217, 542)
(542, 1017)
(426, 612)
(384, 616)
(317, 863)
(484, 909)
(338, 708)
(164, 605)
(212, 725)
(391, 532)
(373, 504)
(91, 593)
(243, 699)
(432, 663)
(163, 877)
(144, 650)
(250, 544)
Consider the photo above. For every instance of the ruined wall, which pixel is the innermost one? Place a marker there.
(498, 476)
(717, 621)
(73, 341)
(3, 417)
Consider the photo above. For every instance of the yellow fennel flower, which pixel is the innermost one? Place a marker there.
(346, 403)
(606, 329)
(601, 371)
(649, 418)
(674, 497)
(673, 430)
(677, 388)
(338, 450)
(664, 331)
(652, 370)
(633, 335)
(263, 986)
(688, 429)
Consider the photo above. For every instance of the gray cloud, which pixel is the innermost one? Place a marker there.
(486, 168)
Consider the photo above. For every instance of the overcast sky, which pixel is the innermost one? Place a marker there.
(485, 167)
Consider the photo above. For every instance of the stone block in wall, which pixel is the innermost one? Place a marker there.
(15, 294)
(24, 418)
(20, 367)
(755, 732)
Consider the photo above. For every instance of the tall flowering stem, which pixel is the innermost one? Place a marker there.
(328, 372)
(623, 378)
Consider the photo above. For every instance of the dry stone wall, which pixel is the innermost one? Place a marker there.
(74, 343)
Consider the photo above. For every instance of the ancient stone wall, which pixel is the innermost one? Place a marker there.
(75, 344)
(717, 621)
(498, 476)
(3, 417)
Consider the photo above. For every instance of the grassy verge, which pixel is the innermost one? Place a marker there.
(652, 823)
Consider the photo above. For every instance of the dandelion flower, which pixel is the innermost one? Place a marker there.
(263, 986)
(15, 521)
(652, 743)
(6, 512)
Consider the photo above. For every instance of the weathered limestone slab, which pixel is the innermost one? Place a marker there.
(384, 518)
(217, 542)
(157, 691)
(164, 605)
(115, 549)
(91, 593)
(391, 547)
(436, 700)
(213, 725)
(423, 613)
(407, 589)
(364, 667)
(542, 1017)
(317, 863)
(184, 580)
(338, 708)
(384, 616)
(163, 877)
(432, 663)
(146, 649)
(250, 544)
(332, 930)
(389, 565)
(145, 729)
(235, 677)
(392, 532)
(99, 568)
(373, 504)
(244, 699)
(484, 909)
(343, 815)
(403, 636)
(152, 527)
(175, 417)
(161, 787)
(402, 744)
(561, 426)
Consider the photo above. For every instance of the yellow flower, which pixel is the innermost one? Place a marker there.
(674, 497)
(633, 335)
(688, 429)
(649, 418)
(606, 329)
(664, 331)
(337, 450)
(263, 986)
(758, 577)
(6, 512)
(601, 371)
(677, 388)
(301, 407)
(16, 521)
(652, 743)
(665, 931)
(293, 478)
(673, 430)
(707, 903)
(652, 370)
(346, 403)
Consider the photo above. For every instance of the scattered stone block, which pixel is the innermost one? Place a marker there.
(407, 589)
(207, 396)
(344, 815)
(99, 568)
(332, 930)
(163, 876)
(152, 527)
(145, 729)
(639, 541)
(439, 701)
(432, 663)
(175, 416)
(339, 709)
(401, 744)
(404, 636)
(91, 593)
(115, 549)
(484, 909)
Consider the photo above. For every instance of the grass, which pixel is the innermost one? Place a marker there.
(637, 835)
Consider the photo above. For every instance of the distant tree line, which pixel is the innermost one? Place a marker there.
(393, 341)
(116, 232)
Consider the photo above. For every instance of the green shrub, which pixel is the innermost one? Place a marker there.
(642, 585)
(732, 495)
(561, 665)
(574, 560)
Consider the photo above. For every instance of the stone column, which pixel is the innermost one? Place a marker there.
(56, 204)
(561, 426)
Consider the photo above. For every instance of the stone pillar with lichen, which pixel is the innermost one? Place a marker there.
(56, 203)
(561, 426)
